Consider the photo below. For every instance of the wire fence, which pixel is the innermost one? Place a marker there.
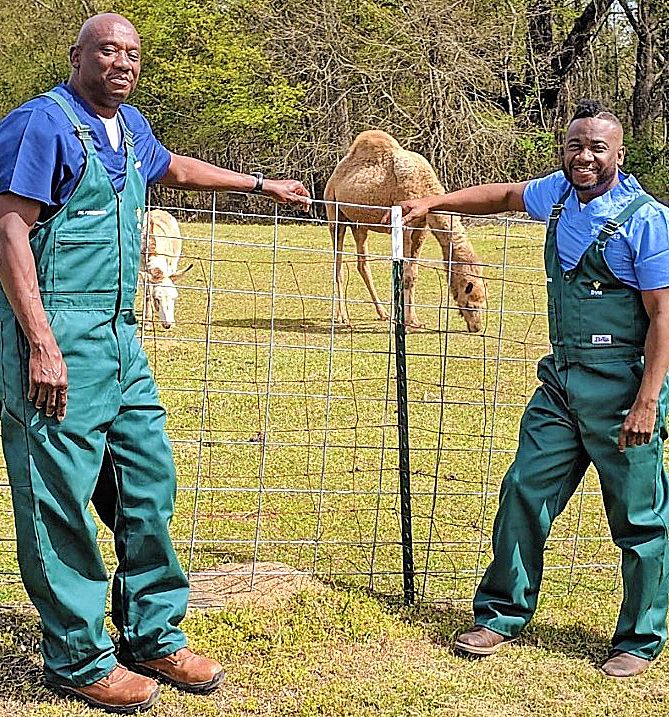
(284, 421)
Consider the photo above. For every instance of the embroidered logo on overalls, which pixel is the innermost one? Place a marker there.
(601, 339)
(596, 291)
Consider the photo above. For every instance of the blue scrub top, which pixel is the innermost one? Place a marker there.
(42, 158)
(637, 254)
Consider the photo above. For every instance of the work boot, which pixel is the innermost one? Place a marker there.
(621, 665)
(120, 691)
(480, 641)
(183, 669)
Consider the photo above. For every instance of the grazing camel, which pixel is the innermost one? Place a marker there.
(377, 171)
(161, 249)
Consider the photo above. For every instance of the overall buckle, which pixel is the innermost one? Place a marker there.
(556, 211)
(83, 131)
(610, 227)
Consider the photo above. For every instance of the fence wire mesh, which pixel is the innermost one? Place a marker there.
(284, 422)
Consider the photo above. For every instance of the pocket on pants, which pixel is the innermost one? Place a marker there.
(15, 448)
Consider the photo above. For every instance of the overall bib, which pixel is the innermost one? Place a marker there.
(598, 328)
(87, 260)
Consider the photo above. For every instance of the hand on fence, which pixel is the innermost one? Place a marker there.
(412, 209)
(288, 191)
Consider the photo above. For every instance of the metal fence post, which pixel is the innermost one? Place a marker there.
(402, 404)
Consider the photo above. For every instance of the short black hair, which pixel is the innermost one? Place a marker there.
(594, 108)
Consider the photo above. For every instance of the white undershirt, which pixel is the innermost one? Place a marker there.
(113, 131)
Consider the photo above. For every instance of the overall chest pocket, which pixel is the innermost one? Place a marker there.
(85, 263)
(608, 322)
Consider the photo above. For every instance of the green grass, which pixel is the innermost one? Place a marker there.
(343, 654)
(313, 473)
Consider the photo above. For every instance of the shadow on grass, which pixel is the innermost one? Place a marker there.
(301, 326)
(443, 623)
(20, 660)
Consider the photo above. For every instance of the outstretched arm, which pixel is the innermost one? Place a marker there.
(190, 173)
(481, 199)
(47, 369)
(640, 422)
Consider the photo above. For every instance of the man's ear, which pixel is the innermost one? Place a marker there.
(621, 156)
(74, 56)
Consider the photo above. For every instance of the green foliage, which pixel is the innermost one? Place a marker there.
(648, 160)
(34, 55)
(204, 82)
(535, 151)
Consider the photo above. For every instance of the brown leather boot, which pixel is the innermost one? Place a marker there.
(120, 691)
(481, 641)
(621, 665)
(183, 669)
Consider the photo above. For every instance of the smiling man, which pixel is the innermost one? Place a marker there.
(603, 392)
(78, 398)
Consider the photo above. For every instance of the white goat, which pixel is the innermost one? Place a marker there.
(161, 249)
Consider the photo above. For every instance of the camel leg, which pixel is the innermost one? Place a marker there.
(360, 236)
(413, 243)
(337, 232)
(443, 233)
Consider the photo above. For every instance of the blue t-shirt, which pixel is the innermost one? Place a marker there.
(42, 157)
(637, 254)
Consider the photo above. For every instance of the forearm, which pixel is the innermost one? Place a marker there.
(656, 360)
(190, 173)
(483, 199)
(19, 280)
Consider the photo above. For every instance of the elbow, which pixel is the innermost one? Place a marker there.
(176, 175)
(513, 198)
(11, 226)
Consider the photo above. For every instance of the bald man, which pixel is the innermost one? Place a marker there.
(603, 392)
(77, 390)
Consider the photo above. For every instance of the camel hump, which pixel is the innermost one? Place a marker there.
(373, 143)
(415, 174)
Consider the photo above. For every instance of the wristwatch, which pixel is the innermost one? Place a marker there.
(260, 180)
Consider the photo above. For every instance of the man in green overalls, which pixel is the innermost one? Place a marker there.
(76, 389)
(603, 392)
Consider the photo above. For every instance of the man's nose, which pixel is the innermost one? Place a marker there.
(122, 60)
(586, 155)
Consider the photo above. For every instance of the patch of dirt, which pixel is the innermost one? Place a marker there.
(261, 584)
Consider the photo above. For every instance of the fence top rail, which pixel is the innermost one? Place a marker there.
(495, 218)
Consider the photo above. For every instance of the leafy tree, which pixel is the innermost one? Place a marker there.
(204, 83)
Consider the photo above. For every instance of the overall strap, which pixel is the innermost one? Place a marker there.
(612, 225)
(83, 130)
(557, 209)
(127, 134)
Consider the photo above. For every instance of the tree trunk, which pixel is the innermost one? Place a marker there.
(645, 25)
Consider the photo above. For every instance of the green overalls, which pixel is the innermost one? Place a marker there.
(588, 384)
(87, 260)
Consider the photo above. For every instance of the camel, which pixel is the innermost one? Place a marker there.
(377, 171)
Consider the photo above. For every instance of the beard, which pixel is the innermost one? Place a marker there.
(602, 177)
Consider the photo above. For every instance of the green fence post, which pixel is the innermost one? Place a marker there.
(402, 404)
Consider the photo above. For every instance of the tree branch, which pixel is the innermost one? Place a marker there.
(630, 17)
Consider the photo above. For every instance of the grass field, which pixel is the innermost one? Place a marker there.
(285, 439)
